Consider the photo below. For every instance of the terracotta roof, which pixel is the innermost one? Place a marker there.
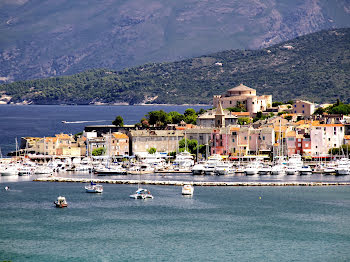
(241, 113)
(347, 137)
(234, 129)
(63, 136)
(120, 136)
(326, 125)
(241, 87)
(291, 134)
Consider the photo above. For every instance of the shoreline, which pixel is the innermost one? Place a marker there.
(194, 183)
(115, 104)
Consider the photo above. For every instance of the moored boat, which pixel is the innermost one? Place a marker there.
(142, 193)
(93, 188)
(187, 189)
(61, 202)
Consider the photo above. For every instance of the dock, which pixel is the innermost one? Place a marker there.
(181, 183)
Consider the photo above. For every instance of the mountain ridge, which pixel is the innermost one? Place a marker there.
(314, 67)
(43, 38)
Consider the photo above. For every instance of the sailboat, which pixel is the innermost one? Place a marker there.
(93, 188)
(141, 193)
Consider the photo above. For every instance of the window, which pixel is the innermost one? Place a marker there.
(263, 137)
(303, 105)
(307, 145)
(299, 144)
(233, 140)
(245, 138)
(303, 112)
(329, 139)
(295, 111)
(315, 146)
(230, 102)
(295, 105)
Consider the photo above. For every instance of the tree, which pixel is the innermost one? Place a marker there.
(201, 111)
(189, 112)
(118, 121)
(236, 109)
(176, 117)
(191, 145)
(319, 111)
(274, 104)
(152, 150)
(158, 118)
(243, 120)
(99, 151)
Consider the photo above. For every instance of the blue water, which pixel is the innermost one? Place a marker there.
(216, 224)
(46, 120)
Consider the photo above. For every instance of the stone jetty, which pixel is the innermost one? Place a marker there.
(195, 183)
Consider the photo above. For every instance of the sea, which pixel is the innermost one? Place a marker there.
(216, 224)
(18, 121)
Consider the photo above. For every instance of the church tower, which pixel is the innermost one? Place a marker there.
(219, 116)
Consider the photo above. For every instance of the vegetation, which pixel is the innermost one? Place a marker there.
(152, 150)
(244, 121)
(161, 118)
(118, 121)
(99, 151)
(237, 109)
(190, 147)
(339, 108)
(343, 150)
(316, 69)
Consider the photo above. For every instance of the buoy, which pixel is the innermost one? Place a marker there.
(259, 197)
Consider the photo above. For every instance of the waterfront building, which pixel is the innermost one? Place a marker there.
(325, 137)
(211, 117)
(119, 144)
(243, 96)
(162, 140)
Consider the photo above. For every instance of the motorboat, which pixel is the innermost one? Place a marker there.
(210, 165)
(343, 167)
(187, 189)
(198, 169)
(142, 193)
(294, 165)
(224, 168)
(94, 188)
(253, 168)
(305, 170)
(42, 170)
(61, 202)
(265, 170)
(278, 170)
(110, 170)
(183, 161)
(9, 170)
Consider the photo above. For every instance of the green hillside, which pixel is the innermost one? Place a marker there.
(315, 67)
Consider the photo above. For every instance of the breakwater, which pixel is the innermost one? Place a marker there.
(195, 183)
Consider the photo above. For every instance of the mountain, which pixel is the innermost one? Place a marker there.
(43, 38)
(315, 67)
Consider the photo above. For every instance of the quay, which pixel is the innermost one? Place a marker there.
(195, 183)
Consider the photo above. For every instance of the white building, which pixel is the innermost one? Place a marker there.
(324, 137)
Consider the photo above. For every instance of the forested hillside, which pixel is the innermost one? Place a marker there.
(315, 67)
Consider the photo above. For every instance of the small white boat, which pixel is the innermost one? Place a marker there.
(278, 170)
(7, 188)
(305, 170)
(142, 193)
(61, 202)
(198, 169)
(187, 189)
(94, 188)
(11, 170)
(224, 168)
(253, 168)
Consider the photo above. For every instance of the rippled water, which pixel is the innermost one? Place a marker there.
(216, 224)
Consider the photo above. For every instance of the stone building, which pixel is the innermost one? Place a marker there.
(162, 140)
(243, 96)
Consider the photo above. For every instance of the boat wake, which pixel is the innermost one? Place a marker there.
(87, 121)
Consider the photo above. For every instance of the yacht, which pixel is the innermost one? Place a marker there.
(305, 170)
(198, 169)
(110, 170)
(265, 170)
(187, 189)
(183, 161)
(294, 165)
(343, 167)
(41, 170)
(224, 168)
(94, 188)
(9, 170)
(141, 193)
(61, 202)
(210, 165)
(253, 168)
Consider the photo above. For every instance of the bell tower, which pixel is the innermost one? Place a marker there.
(219, 116)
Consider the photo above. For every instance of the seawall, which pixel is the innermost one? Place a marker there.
(195, 183)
